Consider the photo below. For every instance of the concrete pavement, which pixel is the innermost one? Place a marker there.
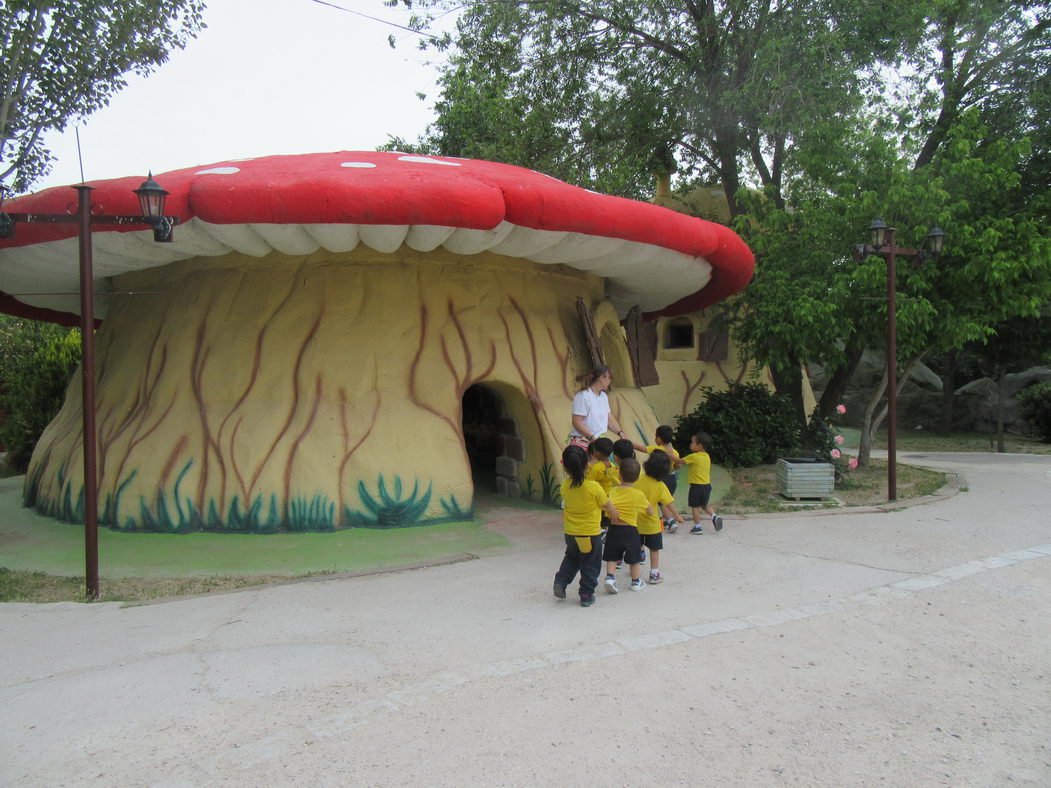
(902, 648)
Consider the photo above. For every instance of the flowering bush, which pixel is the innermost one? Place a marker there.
(825, 441)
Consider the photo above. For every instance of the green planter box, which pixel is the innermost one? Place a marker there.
(805, 477)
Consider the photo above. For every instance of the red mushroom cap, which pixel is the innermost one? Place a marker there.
(664, 261)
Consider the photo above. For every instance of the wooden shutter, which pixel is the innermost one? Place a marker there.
(591, 338)
(642, 347)
(714, 345)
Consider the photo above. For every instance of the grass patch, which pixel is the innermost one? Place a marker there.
(920, 440)
(755, 489)
(25, 586)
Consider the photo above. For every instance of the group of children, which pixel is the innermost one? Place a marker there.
(606, 493)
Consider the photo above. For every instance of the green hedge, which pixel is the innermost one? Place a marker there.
(749, 425)
(1035, 402)
(36, 363)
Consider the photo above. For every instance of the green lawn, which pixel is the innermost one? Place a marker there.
(32, 542)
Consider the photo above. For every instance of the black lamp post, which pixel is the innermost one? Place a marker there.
(883, 242)
(151, 200)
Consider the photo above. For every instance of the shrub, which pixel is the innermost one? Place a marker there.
(825, 443)
(1036, 409)
(36, 362)
(749, 425)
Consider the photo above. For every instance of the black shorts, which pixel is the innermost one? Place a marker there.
(699, 495)
(622, 544)
(671, 481)
(652, 541)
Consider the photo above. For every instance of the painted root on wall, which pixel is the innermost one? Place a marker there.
(321, 392)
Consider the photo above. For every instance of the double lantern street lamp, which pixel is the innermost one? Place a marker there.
(151, 203)
(884, 243)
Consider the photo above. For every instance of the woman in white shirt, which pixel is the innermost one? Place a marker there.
(591, 414)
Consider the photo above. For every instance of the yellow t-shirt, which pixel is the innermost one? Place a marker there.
(630, 503)
(582, 512)
(600, 472)
(667, 448)
(700, 465)
(656, 492)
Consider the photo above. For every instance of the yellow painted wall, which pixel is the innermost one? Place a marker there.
(301, 392)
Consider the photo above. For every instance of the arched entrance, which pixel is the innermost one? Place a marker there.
(495, 446)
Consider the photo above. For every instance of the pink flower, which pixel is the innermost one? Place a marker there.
(836, 454)
(852, 463)
(839, 439)
(841, 409)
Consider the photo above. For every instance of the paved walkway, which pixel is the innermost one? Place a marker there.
(900, 648)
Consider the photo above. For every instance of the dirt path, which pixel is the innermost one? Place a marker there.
(905, 648)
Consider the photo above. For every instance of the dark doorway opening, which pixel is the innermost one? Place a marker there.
(493, 444)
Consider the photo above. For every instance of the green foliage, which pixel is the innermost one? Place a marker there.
(64, 59)
(389, 511)
(749, 425)
(548, 485)
(456, 512)
(1035, 403)
(36, 363)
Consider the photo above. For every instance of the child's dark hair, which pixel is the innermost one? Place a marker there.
(629, 470)
(623, 450)
(658, 465)
(704, 439)
(600, 448)
(575, 461)
(665, 433)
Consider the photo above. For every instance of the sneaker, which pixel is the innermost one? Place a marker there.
(642, 556)
(718, 521)
(655, 578)
(611, 584)
(697, 530)
(560, 590)
(587, 600)
(673, 527)
(637, 585)
(620, 564)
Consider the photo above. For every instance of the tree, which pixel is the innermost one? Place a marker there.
(731, 88)
(37, 361)
(64, 59)
(1014, 344)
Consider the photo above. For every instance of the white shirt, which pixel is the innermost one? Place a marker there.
(595, 410)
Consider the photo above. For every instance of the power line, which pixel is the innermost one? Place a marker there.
(375, 19)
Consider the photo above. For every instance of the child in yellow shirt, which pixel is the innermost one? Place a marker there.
(583, 501)
(700, 478)
(601, 468)
(622, 540)
(656, 492)
(662, 442)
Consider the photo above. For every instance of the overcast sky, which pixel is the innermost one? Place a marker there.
(266, 77)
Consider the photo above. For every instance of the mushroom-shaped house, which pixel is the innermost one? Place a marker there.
(348, 339)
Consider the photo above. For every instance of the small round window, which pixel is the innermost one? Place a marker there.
(678, 333)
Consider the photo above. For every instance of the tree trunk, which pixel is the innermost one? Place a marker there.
(871, 423)
(865, 447)
(789, 381)
(837, 384)
(1001, 387)
(952, 364)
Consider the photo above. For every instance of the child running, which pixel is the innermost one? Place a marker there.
(700, 478)
(622, 541)
(662, 441)
(656, 492)
(583, 501)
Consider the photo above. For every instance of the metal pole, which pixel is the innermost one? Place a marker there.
(87, 346)
(892, 370)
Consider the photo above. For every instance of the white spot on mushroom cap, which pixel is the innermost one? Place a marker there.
(219, 171)
(428, 160)
(356, 164)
